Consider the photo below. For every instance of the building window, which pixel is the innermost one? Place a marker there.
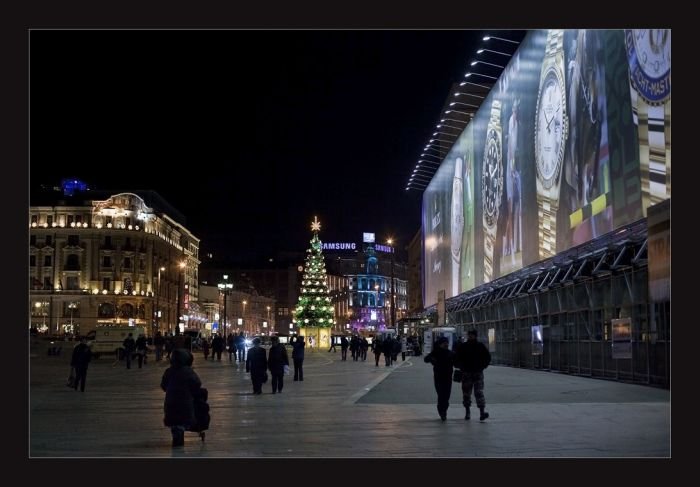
(106, 283)
(72, 283)
(47, 261)
(73, 240)
(72, 263)
(106, 261)
(127, 263)
(70, 219)
(49, 220)
(128, 285)
(282, 311)
(48, 240)
(47, 283)
(32, 261)
(32, 240)
(78, 219)
(127, 311)
(35, 218)
(106, 310)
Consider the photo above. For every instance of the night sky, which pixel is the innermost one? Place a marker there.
(248, 133)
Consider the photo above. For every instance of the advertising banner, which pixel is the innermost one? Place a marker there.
(572, 142)
(537, 342)
(622, 338)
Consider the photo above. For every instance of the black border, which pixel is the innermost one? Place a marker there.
(347, 15)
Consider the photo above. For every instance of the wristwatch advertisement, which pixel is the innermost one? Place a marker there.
(551, 132)
(457, 227)
(491, 186)
(649, 58)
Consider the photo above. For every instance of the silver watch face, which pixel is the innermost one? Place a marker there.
(649, 56)
(550, 128)
(457, 216)
(492, 177)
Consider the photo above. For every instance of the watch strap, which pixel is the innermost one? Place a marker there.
(547, 216)
(489, 242)
(654, 127)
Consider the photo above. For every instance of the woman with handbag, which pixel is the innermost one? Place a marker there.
(442, 359)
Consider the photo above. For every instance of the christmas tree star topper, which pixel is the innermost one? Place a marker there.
(316, 225)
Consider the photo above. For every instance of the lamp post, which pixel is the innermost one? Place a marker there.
(41, 305)
(495, 52)
(245, 325)
(486, 38)
(179, 296)
(225, 289)
(393, 287)
(72, 305)
(479, 74)
(272, 329)
(479, 61)
(157, 320)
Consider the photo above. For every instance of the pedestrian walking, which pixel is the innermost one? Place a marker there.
(79, 360)
(388, 349)
(182, 387)
(364, 346)
(344, 348)
(377, 349)
(298, 357)
(129, 345)
(231, 346)
(217, 347)
(240, 346)
(443, 360)
(404, 348)
(158, 343)
(277, 360)
(256, 364)
(472, 358)
(332, 345)
(141, 349)
(205, 348)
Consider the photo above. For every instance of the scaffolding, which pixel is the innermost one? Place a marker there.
(574, 297)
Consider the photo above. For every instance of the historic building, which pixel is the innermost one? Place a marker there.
(99, 258)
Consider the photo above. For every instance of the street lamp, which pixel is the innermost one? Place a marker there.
(393, 286)
(38, 305)
(225, 289)
(469, 94)
(245, 325)
(180, 273)
(72, 305)
(474, 84)
(478, 61)
(479, 74)
(272, 328)
(157, 320)
(465, 104)
(486, 38)
(495, 52)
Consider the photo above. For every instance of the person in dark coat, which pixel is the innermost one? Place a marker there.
(240, 346)
(344, 348)
(256, 364)
(364, 346)
(217, 347)
(354, 347)
(231, 344)
(129, 345)
(141, 349)
(377, 349)
(298, 357)
(181, 385)
(158, 342)
(205, 348)
(442, 359)
(276, 360)
(388, 349)
(80, 359)
(473, 357)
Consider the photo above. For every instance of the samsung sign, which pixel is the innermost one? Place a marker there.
(338, 246)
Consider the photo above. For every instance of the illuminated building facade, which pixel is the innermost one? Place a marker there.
(98, 259)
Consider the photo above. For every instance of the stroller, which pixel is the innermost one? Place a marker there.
(201, 413)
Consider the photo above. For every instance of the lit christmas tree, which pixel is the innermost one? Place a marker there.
(314, 314)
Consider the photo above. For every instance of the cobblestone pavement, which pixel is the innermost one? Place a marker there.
(344, 410)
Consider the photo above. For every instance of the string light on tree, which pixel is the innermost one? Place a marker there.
(314, 319)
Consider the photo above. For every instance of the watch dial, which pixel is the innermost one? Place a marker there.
(457, 216)
(492, 177)
(653, 47)
(549, 143)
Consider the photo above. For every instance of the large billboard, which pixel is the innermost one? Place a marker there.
(572, 142)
